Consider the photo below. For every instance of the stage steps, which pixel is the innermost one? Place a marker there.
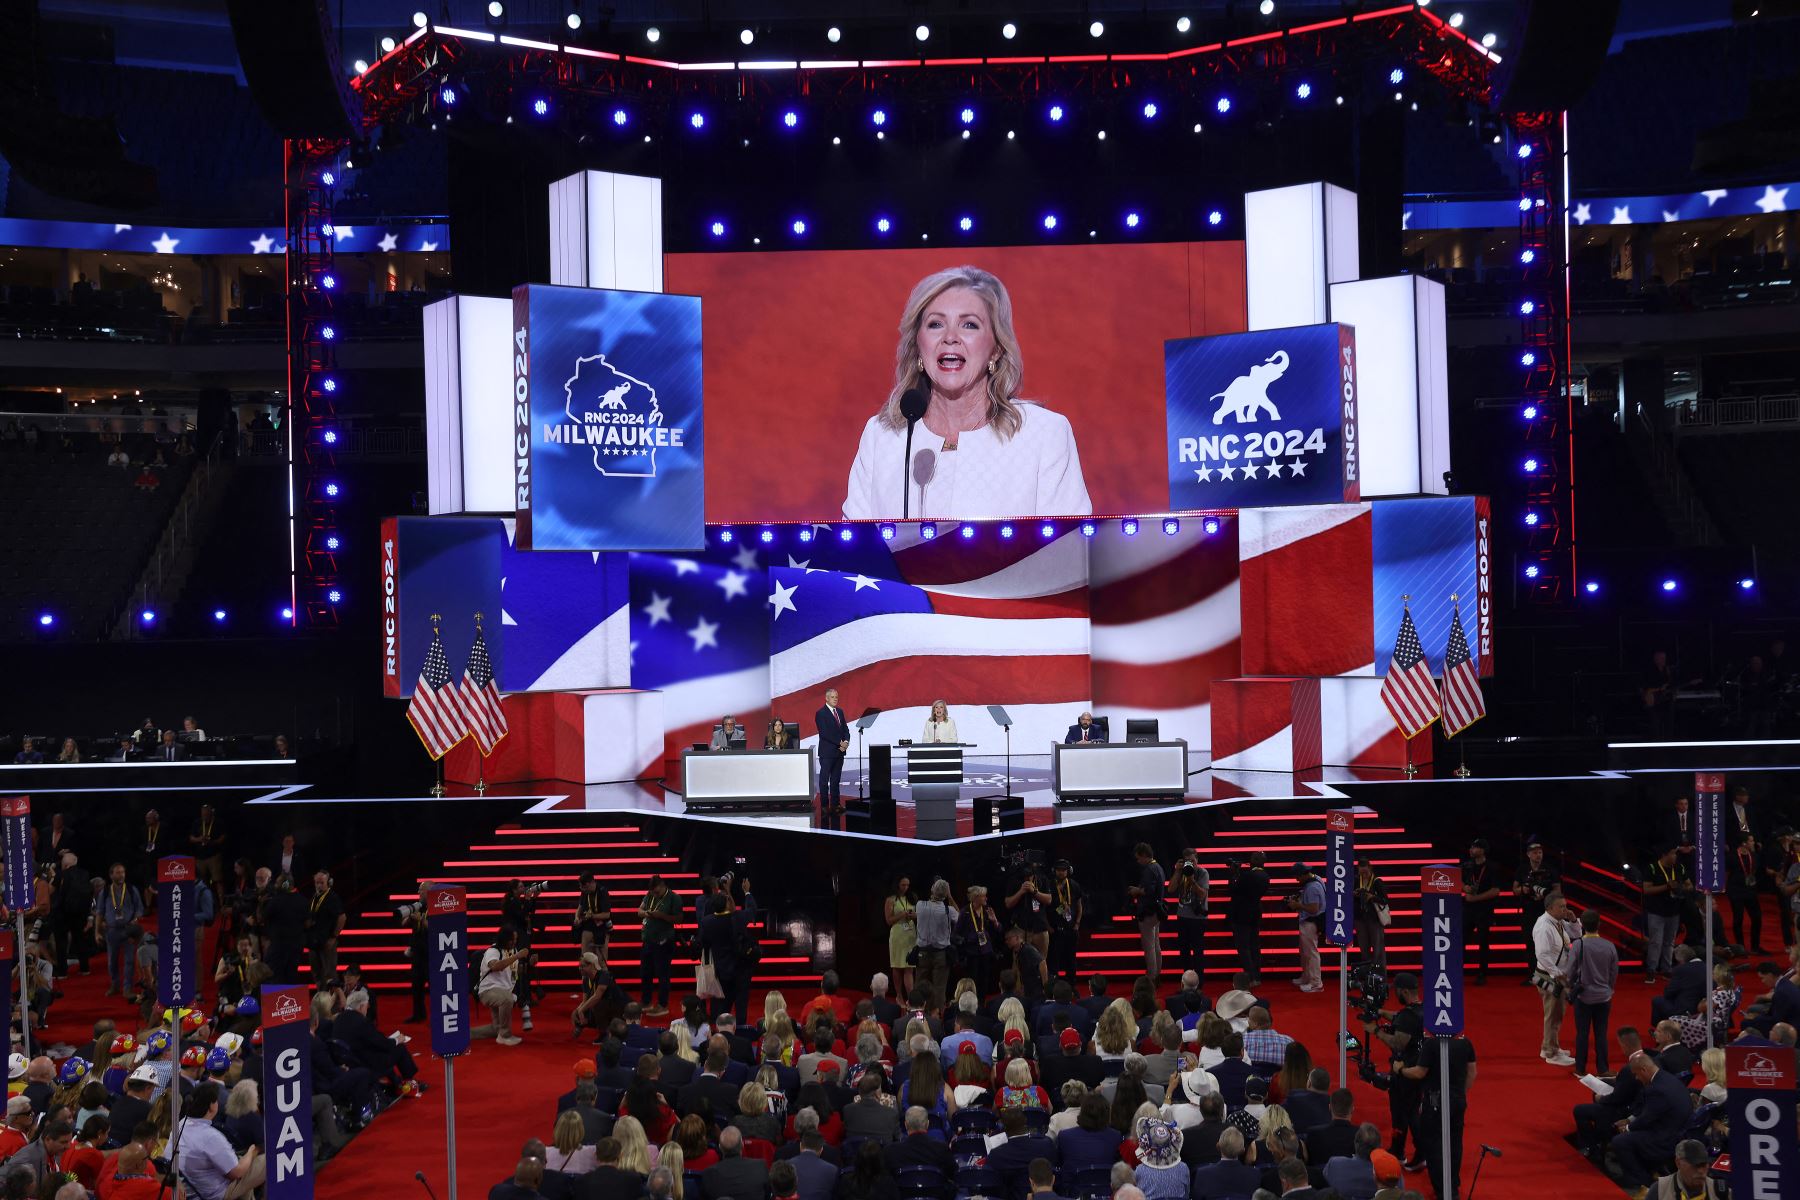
(620, 854)
(1112, 948)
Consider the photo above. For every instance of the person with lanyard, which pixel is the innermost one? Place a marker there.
(1553, 941)
(1480, 888)
(1743, 883)
(1403, 1038)
(324, 922)
(150, 848)
(593, 916)
(1692, 1178)
(1068, 905)
(1147, 906)
(1666, 886)
(120, 910)
(978, 933)
(208, 843)
(1029, 909)
(1432, 1093)
(1192, 886)
(658, 911)
(1309, 906)
(1372, 914)
(935, 917)
(418, 953)
(1534, 880)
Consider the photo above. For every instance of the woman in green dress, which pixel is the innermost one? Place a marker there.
(903, 935)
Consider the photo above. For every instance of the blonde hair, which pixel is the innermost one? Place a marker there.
(782, 1026)
(1015, 1021)
(937, 704)
(1712, 1062)
(1010, 1008)
(674, 1159)
(1003, 412)
(1274, 1117)
(569, 1131)
(1018, 1073)
(243, 1098)
(774, 1002)
(684, 1042)
(965, 984)
(753, 1099)
(1112, 1032)
(634, 1146)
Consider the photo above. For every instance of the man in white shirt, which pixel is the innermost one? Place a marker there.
(499, 972)
(1553, 939)
(206, 1159)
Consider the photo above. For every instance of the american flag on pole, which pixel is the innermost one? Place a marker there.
(436, 710)
(1463, 703)
(480, 697)
(1408, 690)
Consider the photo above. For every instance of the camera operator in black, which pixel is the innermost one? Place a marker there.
(1028, 907)
(418, 952)
(1189, 890)
(1431, 1116)
(1067, 905)
(1536, 878)
(1481, 886)
(1402, 1037)
(593, 917)
(518, 912)
(1247, 886)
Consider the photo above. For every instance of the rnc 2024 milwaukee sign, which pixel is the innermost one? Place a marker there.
(1264, 418)
(607, 432)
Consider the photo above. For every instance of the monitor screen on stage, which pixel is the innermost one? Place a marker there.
(809, 356)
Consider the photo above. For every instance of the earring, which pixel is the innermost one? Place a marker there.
(921, 366)
(992, 363)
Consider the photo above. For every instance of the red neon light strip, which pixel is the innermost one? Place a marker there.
(1140, 58)
(1074, 58)
(1317, 25)
(953, 62)
(490, 847)
(1384, 12)
(1588, 866)
(1260, 37)
(1184, 54)
(1319, 845)
(1360, 830)
(1015, 61)
(586, 53)
(555, 862)
(652, 62)
(516, 831)
(890, 62)
(1308, 816)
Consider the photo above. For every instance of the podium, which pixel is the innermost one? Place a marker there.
(934, 774)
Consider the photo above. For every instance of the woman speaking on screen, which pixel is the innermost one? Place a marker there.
(977, 450)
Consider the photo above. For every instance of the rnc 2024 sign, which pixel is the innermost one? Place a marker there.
(607, 451)
(1264, 418)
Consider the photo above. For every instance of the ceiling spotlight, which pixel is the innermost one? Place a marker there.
(878, 118)
(420, 20)
(1266, 8)
(496, 9)
(1210, 525)
(387, 45)
(620, 116)
(1303, 91)
(1009, 31)
(1488, 40)
(1590, 587)
(361, 66)
(1149, 110)
(1456, 20)
(1215, 217)
(1049, 221)
(966, 224)
(799, 227)
(1096, 29)
(718, 229)
(1396, 75)
(1669, 585)
(834, 35)
(653, 35)
(790, 118)
(1183, 24)
(1131, 220)
(967, 116)
(1101, 135)
(1056, 112)
(574, 20)
(883, 225)
(922, 32)
(697, 120)
(746, 36)
(1224, 104)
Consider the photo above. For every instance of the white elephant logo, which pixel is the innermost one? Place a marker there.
(1248, 395)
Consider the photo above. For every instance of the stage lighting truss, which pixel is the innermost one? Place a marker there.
(1546, 523)
(313, 382)
(488, 73)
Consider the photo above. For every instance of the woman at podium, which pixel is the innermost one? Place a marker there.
(938, 726)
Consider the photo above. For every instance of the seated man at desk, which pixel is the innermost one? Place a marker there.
(727, 736)
(1084, 730)
(938, 726)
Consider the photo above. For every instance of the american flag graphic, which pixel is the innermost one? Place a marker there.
(1463, 703)
(435, 709)
(1408, 690)
(480, 697)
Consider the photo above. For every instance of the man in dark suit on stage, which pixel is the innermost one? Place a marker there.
(1085, 730)
(834, 743)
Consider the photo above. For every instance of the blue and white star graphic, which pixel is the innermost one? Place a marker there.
(261, 243)
(165, 244)
(1773, 199)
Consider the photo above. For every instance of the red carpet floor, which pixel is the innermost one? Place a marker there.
(1518, 1104)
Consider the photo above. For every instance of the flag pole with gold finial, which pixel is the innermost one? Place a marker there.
(1410, 770)
(1462, 750)
(437, 789)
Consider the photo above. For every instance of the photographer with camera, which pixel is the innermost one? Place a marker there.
(657, 911)
(1535, 879)
(418, 951)
(1068, 904)
(1247, 884)
(1147, 907)
(518, 912)
(1372, 914)
(1192, 887)
(1481, 887)
(1402, 1036)
(1553, 940)
(593, 916)
(1308, 904)
(1667, 886)
(497, 986)
(1028, 907)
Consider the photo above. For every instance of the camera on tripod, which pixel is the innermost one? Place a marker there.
(1368, 991)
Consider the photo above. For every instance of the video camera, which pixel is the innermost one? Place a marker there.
(1369, 990)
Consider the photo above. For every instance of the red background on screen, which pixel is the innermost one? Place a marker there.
(800, 353)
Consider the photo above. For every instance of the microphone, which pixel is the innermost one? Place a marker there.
(1492, 1150)
(913, 402)
(420, 1176)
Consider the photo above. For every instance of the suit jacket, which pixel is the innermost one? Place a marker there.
(1183, 1004)
(1219, 1180)
(832, 730)
(609, 1183)
(808, 1066)
(1058, 1070)
(886, 1011)
(367, 1047)
(920, 1150)
(1231, 1075)
(1079, 1019)
(1309, 1110)
(174, 753)
(708, 1095)
(817, 1178)
(1094, 1006)
(828, 1152)
(1333, 1140)
(719, 936)
(871, 1120)
(594, 1124)
(1200, 1143)
(1686, 986)
(675, 1072)
(739, 1178)
(1013, 1157)
(1664, 1112)
(1096, 733)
